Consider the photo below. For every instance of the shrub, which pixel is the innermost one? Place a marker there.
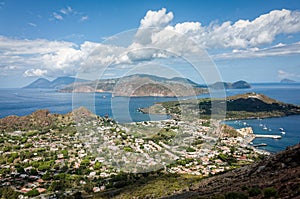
(236, 195)
(255, 191)
(270, 192)
(190, 149)
(32, 193)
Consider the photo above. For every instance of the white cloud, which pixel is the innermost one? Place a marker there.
(57, 16)
(243, 36)
(32, 24)
(64, 12)
(35, 73)
(157, 19)
(276, 50)
(67, 11)
(155, 38)
(243, 33)
(84, 18)
(286, 75)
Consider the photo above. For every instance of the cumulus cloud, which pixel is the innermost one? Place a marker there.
(243, 33)
(276, 50)
(57, 16)
(156, 19)
(35, 73)
(155, 38)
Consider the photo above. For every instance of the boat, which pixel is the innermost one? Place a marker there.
(282, 132)
(265, 128)
(281, 129)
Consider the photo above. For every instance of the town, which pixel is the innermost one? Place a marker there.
(80, 153)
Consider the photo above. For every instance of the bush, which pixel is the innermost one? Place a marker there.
(32, 193)
(8, 192)
(254, 192)
(270, 192)
(236, 195)
(190, 149)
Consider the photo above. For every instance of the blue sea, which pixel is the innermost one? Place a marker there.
(124, 109)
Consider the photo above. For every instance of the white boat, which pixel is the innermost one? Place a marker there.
(281, 129)
(282, 132)
(265, 128)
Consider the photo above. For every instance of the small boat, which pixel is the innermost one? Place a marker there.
(265, 128)
(281, 129)
(282, 132)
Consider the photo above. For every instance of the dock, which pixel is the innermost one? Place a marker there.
(268, 136)
(259, 145)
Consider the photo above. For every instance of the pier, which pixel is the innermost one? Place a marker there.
(268, 136)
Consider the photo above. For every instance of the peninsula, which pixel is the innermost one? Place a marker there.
(243, 106)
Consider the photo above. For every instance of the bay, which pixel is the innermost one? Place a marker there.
(125, 109)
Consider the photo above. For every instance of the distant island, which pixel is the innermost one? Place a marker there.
(58, 83)
(227, 85)
(137, 85)
(287, 81)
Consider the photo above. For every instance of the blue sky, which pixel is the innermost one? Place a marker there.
(258, 41)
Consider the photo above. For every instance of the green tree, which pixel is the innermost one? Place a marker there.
(32, 193)
(270, 192)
